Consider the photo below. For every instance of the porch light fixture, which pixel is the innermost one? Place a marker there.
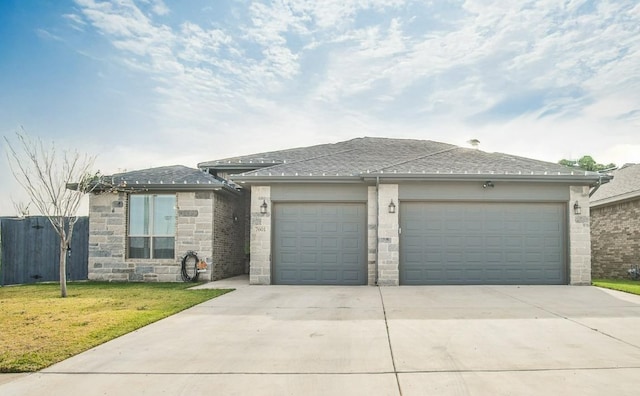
(577, 209)
(488, 184)
(392, 207)
(263, 207)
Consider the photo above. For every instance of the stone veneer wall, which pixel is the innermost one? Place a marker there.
(388, 237)
(194, 231)
(228, 236)
(615, 239)
(260, 270)
(579, 237)
(372, 225)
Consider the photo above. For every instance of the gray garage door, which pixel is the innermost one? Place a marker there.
(320, 244)
(482, 243)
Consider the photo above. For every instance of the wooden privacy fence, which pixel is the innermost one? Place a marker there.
(31, 251)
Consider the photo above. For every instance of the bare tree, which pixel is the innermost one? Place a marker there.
(46, 175)
(22, 209)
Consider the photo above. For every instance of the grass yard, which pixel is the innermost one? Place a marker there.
(38, 328)
(629, 286)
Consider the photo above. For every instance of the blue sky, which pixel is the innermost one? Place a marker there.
(146, 83)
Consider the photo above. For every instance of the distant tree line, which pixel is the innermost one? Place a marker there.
(587, 163)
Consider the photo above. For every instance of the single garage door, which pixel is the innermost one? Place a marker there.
(482, 243)
(320, 244)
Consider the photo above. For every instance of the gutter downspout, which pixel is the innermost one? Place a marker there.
(599, 183)
(377, 223)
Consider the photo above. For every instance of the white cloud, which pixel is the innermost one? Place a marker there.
(516, 76)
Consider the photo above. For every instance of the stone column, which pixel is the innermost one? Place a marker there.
(579, 233)
(260, 267)
(388, 236)
(372, 224)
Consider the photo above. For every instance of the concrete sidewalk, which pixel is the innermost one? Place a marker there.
(290, 340)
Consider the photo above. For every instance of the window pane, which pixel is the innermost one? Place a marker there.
(139, 214)
(163, 248)
(164, 216)
(139, 247)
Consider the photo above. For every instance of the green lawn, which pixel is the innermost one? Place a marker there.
(625, 285)
(38, 328)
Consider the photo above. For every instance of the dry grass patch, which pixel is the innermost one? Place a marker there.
(38, 328)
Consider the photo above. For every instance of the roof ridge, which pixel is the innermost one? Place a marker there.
(303, 160)
(417, 158)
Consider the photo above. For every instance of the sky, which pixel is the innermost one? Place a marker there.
(146, 83)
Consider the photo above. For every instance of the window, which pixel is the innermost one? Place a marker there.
(152, 224)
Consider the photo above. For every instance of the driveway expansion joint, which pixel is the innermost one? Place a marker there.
(386, 325)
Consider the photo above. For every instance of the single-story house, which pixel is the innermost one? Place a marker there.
(142, 223)
(363, 211)
(615, 224)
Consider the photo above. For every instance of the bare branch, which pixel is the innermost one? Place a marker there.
(45, 174)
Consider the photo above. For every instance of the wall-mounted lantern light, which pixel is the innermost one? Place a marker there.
(263, 207)
(488, 184)
(234, 217)
(577, 209)
(392, 207)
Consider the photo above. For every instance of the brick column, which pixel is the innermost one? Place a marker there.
(260, 267)
(388, 237)
(579, 237)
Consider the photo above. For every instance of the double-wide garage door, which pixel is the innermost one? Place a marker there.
(320, 244)
(482, 243)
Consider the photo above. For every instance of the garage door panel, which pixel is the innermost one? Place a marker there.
(306, 258)
(329, 243)
(330, 276)
(482, 243)
(289, 226)
(351, 276)
(328, 240)
(308, 227)
(306, 242)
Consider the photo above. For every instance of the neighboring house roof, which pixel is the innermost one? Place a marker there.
(368, 157)
(624, 186)
(166, 178)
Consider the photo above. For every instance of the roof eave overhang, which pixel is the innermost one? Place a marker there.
(248, 166)
(566, 179)
(442, 177)
(630, 196)
(133, 188)
(295, 179)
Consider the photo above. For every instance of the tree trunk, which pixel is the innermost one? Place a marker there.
(63, 267)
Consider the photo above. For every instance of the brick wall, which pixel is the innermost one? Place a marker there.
(615, 239)
(195, 230)
(228, 236)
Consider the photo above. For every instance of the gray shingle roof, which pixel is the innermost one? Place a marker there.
(625, 185)
(381, 156)
(167, 178)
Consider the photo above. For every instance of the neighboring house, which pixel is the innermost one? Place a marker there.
(142, 224)
(615, 224)
(364, 211)
(412, 212)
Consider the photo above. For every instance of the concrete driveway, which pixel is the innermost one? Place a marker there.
(294, 340)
